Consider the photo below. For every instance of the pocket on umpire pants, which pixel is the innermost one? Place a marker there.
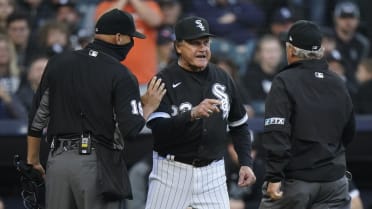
(112, 175)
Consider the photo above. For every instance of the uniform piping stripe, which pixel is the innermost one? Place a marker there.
(158, 115)
(239, 122)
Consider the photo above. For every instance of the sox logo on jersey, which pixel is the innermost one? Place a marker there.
(219, 91)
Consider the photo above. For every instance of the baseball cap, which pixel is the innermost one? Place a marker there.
(282, 15)
(165, 35)
(305, 35)
(192, 27)
(346, 9)
(117, 21)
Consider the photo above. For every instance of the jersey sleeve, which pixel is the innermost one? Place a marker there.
(237, 115)
(127, 107)
(278, 108)
(277, 127)
(237, 122)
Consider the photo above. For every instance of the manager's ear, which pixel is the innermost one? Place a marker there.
(176, 45)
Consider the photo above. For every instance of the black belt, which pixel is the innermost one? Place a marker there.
(196, 162)
(68, 144)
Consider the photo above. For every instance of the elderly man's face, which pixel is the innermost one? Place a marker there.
(194, 54)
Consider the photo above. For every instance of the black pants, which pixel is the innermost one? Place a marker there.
(299, 194)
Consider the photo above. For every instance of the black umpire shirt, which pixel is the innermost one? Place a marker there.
(309, 120)
(88, 91)
(206, 138)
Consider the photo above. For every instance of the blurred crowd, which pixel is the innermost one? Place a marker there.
(248, 42)
(248, 45)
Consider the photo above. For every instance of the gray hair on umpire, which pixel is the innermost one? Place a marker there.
(307, 54)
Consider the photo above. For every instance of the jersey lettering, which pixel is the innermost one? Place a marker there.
(219, 91)
(174, 110)
(186, 106)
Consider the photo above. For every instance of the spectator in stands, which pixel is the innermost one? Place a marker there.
(352, 45)
(281, 21)
(6, 8)
(18, 30)
(267, 61)
(87, 10)
(337, 65)
(2, 206)
(235, 23)
(54, 38)
(39, 12)
(142, 60)
(10, 107)
(80, 34)
(172, 10)
(328, 40)
(67, 13)
(363, 99)
(27, 91)
(165, 47)
(9, 70)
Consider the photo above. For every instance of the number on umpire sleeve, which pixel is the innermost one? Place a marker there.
(136, 107)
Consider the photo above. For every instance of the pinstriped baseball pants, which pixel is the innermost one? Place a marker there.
(175, 185)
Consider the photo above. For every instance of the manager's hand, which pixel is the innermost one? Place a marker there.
(246, 176)
(205, 109)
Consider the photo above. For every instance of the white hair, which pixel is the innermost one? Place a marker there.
(307, 54)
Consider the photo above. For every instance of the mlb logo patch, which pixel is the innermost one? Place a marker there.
(319, 75)
(93, 53)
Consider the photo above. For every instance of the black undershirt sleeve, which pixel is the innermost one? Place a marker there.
(242, 144)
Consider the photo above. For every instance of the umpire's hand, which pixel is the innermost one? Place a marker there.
(153, 96)
(246, 176)
(274, 190)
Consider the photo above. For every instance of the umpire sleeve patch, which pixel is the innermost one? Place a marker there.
(274, 121)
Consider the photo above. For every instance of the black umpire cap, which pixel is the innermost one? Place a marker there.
(117, 21)
(192, 27)
(305, 35)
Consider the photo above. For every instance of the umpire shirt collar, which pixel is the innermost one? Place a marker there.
(317, 64)
(105, 48)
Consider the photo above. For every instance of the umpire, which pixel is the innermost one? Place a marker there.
(309, 121)
(82, 96)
